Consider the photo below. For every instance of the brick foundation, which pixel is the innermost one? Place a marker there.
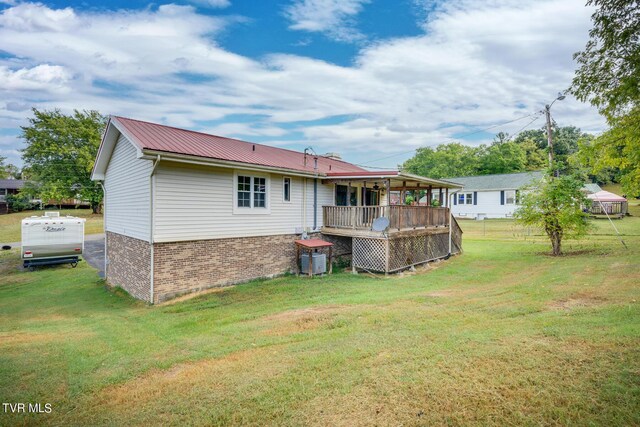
(129, 264)
(184, 267)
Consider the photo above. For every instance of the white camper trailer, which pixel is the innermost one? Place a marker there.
(51, 239)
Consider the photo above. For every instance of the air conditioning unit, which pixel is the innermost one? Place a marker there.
(319, 263)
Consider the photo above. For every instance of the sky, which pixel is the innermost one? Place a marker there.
(369, 79)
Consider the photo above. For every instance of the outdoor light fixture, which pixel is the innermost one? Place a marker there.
(376, 186)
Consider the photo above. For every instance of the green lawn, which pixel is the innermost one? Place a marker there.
(10, 224)
(502, 335)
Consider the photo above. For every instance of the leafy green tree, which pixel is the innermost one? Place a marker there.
(503, 157)
(60, 152)
(556, 206)
(446, 160)
(535, 158)
(3, 172)
(608, 73)
(608, 76)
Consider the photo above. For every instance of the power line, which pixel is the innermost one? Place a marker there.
(450, 139)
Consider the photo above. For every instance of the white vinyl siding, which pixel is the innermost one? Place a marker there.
(488, 204)
(197, 202)
(127, 186)
(325, 198)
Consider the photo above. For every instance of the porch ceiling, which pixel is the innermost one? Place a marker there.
(398, 180)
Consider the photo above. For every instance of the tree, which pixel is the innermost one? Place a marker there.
(446, 160)
(556, 205)
(609, 67)
(503, 157)
(608, 76)
(60, 153)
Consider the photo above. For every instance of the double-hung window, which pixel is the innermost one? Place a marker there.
(510, 197)
(251, 194)
(465, 198)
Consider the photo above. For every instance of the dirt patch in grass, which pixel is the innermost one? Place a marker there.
(300, 320)
(193, 295)
(21, 338)
(577, 301)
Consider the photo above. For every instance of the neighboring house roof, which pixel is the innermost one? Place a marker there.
(507, 181)
(11, 184)
(592, 188)
(606, 196)
(152, 139)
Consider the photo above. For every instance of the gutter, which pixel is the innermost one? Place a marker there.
(151, 225)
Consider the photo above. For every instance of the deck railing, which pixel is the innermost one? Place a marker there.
(400, 217)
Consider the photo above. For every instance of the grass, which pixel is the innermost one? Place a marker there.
(10, 224)
(502, 335)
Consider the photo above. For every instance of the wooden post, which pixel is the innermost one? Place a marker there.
(298, 261)
(429, 196)
(364, 194)
(349, 194)
(403, 193)
(446, 203)
(311, 263)
(330, 259)
(440, 196)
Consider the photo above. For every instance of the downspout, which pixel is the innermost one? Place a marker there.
(315, 204)
(151, 219)
(304, 204)
(315, 194)
(104, 225)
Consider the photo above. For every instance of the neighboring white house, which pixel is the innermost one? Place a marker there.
(186, 210)
(490, 196)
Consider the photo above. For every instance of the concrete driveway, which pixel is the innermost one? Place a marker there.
(93, 251)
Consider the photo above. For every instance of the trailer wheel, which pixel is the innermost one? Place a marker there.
(32, 268)
(74, 264)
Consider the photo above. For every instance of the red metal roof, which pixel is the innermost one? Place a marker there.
(151, 136)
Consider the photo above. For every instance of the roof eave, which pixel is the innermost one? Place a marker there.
(207, 161)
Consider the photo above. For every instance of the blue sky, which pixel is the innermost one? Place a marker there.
(370, 79)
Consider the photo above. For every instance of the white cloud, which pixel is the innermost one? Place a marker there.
(213, 4)
(335, 18)
(41, 77)
(476, 65)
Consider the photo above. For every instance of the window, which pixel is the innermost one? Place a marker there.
(510, 197)
(259, 192)
(465, 198)
(244, 191)
(251, 194)
(286, 189)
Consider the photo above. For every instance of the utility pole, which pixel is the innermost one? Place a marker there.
(547, 112)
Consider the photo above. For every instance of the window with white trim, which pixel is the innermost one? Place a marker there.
(251, 193)
(510, 197)
(286, 189)
(465, 198)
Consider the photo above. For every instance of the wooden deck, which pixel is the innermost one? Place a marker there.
(356, 221)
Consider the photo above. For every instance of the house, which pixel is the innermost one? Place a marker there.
(7, 187)
(185, 210)
(490, 196)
